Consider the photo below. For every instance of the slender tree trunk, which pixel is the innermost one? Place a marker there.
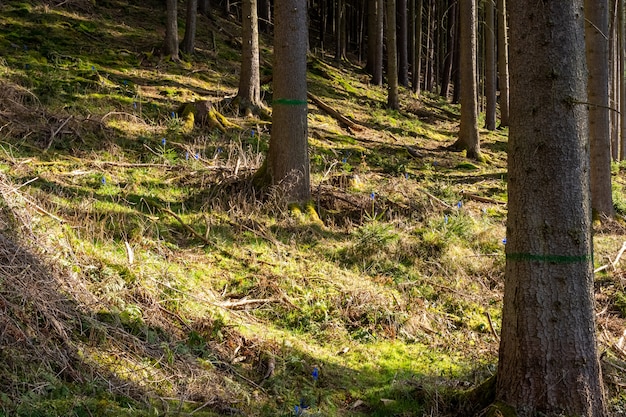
(340, 33)
(403, 51)
(249, 94)
(490, 65)
(417, 61)
(189, 39)
(456, 64)
(548, 360)
(468, 133)
(622, 80)
(204, 7)
(597, 53)
(265, 16)
(288, 160)
(393, 101)
(377, 74)
(170, 48)
(503, 63)
(450, 37)
(371, 36)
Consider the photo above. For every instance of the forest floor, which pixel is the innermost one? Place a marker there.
(142, 275)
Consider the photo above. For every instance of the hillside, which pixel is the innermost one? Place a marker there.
(142, 275)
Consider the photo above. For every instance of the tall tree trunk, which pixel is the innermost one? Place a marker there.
(468, 133)
(490, 65)
(249, 94)
(403, 51)
(170, 47)
(340, 33)
(622, 79)
(288, 160)
(597, 54)
(450, 37)
(204, 7)
(417, 59)
(371, 36)
(456, 64)
(189, 39)
(548, 360)
(503, 63)
(377, 74)
(393, 101)
(265, 16)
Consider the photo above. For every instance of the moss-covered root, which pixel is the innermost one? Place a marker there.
(306, 213)
(471, 402)
(203, 113)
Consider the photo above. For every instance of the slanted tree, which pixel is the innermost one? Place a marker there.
(287, 162)
(393, 101)
(503, 63)
(597, 53)
(170, 46)
(548, 360)
(249, 95)
(468, 132)
(189, 39)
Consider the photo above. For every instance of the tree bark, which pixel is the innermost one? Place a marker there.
(189, 39)
(340, 30)
(170, 47)
(446, 74)
(622, 78)
(597, 54)
(288, 161)
(468, 132)
(417, 59)
(503, 63)
(548, 362)
(490, 65)
(249, 94)
(377, 74)
(402, 38)
(393, 101)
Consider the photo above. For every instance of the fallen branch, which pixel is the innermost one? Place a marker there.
(335, 114)
(56, 132)
(614, 263)
(443, 203)
(245, 302)
(475, 197)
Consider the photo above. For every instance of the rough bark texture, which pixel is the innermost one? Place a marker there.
(403, 50)
(548, 359)
(377, 74)
(393, 102)
(596, 30)
(288, 153)
(249, 94)
(189, 39)
(170, 46)
(490, 65)
(503, 63)
(468, 133)
(417, 58)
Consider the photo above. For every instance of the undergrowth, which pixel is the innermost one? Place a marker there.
(142, 274)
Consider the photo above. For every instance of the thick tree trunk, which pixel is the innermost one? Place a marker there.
(597, 53)
(189, 39)
(548, 363)
(393, 101)
(503, 63)
(468, 133)
(288, 160)
(249, 94)
(403, 51)
(170, 47)
(490, 65)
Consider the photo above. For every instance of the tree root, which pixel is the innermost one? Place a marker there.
(203, 113)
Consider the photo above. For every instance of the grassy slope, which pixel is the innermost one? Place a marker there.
(142, 275)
